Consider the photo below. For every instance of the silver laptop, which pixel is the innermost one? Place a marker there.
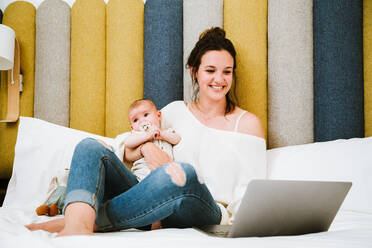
(279, 207)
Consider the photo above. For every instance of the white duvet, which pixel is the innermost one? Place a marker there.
(349, 229)
(43, 148)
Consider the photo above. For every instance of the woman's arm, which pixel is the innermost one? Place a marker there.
(251, 124)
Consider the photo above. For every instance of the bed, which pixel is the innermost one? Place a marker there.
(43, 148)
(90, 84)
(350, 229)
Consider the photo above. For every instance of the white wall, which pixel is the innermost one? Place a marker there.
(5, 3)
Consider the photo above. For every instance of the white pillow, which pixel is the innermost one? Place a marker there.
(42, 150)
(339, 160)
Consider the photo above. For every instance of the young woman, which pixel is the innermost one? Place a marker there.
(221, 150)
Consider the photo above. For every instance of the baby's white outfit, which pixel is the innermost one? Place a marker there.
(140, 168)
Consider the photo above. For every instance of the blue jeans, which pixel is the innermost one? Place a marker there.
(99, 178)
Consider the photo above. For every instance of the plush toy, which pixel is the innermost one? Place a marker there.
(57, 192)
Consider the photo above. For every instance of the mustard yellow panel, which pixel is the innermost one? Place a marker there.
(20, 16)
(245, 23)
(367, 53)
(124, 65)
(88, 40)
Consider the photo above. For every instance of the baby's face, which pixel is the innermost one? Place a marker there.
(144, 113)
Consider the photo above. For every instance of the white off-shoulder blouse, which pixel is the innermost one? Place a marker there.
(225, 161)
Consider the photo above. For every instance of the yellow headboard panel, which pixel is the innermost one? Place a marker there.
(245, 23)
(124, 65)
(88, 66)
(20, 16)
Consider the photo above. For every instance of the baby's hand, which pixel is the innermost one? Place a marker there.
(161, 134)
(155, 131)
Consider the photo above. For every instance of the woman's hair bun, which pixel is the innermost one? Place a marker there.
(212, 33)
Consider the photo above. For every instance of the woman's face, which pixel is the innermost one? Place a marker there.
(215, 74)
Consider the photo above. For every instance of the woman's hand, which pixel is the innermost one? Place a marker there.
(154, 156)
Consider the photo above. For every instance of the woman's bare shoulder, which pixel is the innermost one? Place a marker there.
(251, 124)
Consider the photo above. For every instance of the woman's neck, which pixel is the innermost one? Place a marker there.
(210, 109)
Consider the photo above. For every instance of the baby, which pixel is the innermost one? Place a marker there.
(145, 124)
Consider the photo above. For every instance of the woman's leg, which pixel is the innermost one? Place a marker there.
(172, 193)
(96, 174)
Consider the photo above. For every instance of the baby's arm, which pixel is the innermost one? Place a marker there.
(170, 136)
(136, 139)
(132, 145)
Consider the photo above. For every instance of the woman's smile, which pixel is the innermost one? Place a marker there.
(217, 87)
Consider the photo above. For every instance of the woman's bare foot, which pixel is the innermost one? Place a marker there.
(50, 226)
(79, 220)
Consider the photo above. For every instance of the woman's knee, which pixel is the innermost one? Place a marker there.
(181, 173)
(87, 144)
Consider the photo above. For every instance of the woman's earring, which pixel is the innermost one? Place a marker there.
(195, 84)
(195, 88)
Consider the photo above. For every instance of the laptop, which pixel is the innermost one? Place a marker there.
(280, 207)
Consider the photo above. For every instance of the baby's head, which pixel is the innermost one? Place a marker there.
(142, 114)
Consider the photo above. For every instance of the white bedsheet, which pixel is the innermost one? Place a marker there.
(349, 229)
(42, 148)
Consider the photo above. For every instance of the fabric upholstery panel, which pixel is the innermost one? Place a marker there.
(1, 21)
(20, 16)
(88, 66)
(290, 72)
(245, 23)
(198, 15)
(338, 69)
(52, 62)
(163, 51)
(367, 52)
(124, 65)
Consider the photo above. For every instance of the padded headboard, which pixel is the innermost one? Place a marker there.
(303, 67)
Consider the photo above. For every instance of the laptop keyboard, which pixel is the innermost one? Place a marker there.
(217, 230)
(219, 233)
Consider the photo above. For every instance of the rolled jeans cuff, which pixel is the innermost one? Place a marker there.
(80, 195)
